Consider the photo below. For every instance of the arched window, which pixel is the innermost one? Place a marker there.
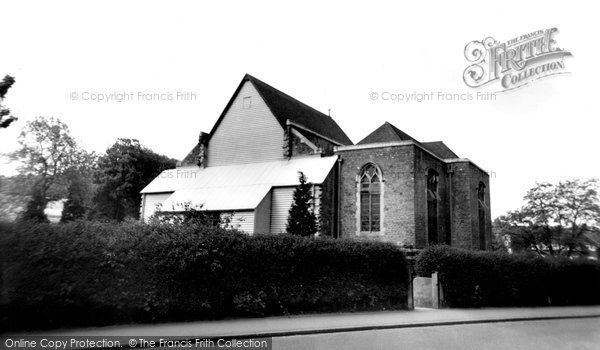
(481, 206)
(432, 206)
(370, 198)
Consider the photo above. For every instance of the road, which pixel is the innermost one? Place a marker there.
(580, 333)
(575, 327)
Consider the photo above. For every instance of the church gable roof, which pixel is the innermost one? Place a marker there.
(192, 157)
(285, 107)
(389, 133)
(440, 149)
(386, 133)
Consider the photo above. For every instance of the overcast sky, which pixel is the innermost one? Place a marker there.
(330, 56)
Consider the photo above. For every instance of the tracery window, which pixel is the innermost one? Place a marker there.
(481, 214)
(370, 198)
(432, 206)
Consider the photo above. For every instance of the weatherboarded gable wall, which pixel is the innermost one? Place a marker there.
(248, 133)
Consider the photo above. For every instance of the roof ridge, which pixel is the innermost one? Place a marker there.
(443, 152)
(285, 107)
(399, 132)
(386, 131)
(253, 78)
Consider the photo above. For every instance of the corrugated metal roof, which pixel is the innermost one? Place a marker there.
(221, 198)
(240, 186)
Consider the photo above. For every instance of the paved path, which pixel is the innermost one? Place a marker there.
(337, 323)
(559, 334)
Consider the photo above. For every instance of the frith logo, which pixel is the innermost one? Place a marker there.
(516, 62)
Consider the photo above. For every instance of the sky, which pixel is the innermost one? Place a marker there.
(330, 55)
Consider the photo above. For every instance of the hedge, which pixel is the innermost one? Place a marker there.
(89, 273)
(494, 279)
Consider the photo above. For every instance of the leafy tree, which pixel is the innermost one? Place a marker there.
(5, 117)
(48, 152)
(80, 187)
(34, 210)
(76, 205)
(125, 169)
(301, 220)
(556, 220)
(14, 195)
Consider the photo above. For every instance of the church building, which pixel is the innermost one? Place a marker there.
(387, 187)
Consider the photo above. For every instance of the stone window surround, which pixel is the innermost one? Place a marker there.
(381, 231)
(431, 172)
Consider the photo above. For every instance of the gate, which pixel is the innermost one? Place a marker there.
(426, 292)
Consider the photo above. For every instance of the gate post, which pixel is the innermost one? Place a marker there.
(411, 300)
(435, 291)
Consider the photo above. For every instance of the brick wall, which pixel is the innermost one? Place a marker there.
(423, 162)
(461, 205)
(398, 219)
(328, 217)
(478, 176)
(300, 148)
(404, 222)
(465, 180)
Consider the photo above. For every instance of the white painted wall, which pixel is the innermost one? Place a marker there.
(241, 220)
(281, 201)
(246, 135)
(150, 201)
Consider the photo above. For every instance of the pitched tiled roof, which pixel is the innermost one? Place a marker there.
(386, 133)
(286, 107)
(389, 133)
(283, 107)
(440, 149)
(192, 157)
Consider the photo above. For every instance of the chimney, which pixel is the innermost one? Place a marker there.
(202, 152)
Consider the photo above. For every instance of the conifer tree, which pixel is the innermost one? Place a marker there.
(75, 206)
(34, 210)
(301, 219)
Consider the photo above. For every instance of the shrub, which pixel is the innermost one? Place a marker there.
(494, 279)
(90, 273)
